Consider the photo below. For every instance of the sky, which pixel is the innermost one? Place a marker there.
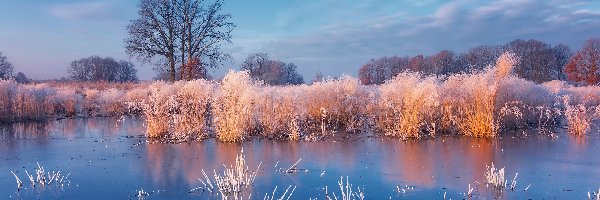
(335, 37)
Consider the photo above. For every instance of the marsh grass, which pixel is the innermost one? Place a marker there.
(477, 104)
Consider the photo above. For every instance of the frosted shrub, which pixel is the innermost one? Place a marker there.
(555, 86)
(192, 109)
(110, 102)
(335, 105)
(409, 106)
(586, 95)
(578, 117)
(473, 109)
(8, 89)
(134, 97)
(67, 102)
(24, 102)
(159, 107)
(406, 105)
(90, 104)
(277, 113)
(233, 116)
(528, 103)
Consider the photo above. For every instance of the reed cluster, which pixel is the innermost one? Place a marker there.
(476, 104)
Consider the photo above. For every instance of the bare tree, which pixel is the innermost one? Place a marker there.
(22, 78)
(256, 64)
(273, 72)
(479, 57)
(95, 68)
(562, 53)
(538, 62)
(318, 77)
(168, 28)
(6, 69)
(377, 71)
(202, 32)
(154, 33)
(442, 63)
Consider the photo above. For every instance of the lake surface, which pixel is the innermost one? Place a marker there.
(108, 158)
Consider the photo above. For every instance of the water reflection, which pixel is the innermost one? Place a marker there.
(30, 130)
(73, 128)
(445, 164)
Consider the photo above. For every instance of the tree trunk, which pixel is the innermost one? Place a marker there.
(172, 66)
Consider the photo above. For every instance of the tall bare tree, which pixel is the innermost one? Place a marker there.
(203, 30)
(187, 32)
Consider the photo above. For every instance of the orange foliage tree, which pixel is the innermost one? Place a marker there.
(584, 66)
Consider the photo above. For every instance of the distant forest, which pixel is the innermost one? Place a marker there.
(539, 62)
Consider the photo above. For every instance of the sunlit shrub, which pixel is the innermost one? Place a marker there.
(233, 117)
(191, 114)
(407, 105)
(335, 105)
(470, 100)
(578, 116)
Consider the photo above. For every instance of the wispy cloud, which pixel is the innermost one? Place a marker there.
(343, 44)
(89, 10)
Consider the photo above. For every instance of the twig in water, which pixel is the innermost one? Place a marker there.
(513, 183)
(282, 196)
(470, 191)
(19, 182)
(289, 170)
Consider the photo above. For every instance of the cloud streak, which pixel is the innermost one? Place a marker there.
(343, 45)
(93, 10)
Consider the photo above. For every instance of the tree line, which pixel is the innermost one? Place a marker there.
(540, 62)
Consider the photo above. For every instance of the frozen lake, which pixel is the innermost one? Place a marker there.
(107, 161)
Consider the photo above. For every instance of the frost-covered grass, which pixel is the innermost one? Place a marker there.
(234, 182)
(42, 178)
(478, 104)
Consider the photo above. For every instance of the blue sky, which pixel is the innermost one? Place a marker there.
(41, 38)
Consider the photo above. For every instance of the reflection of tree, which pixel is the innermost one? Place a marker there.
(409, 162)
(26, 130)
(11, 133)
(449, 160)
(159, 156)
(480, 152)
